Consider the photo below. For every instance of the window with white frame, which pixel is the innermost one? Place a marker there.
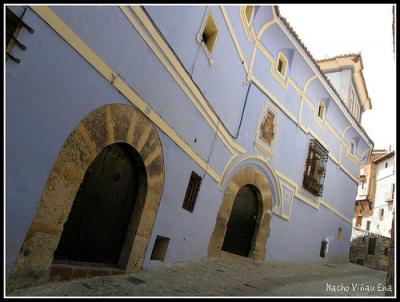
(352, 148)
(321, 111)
(249, 11)
(208, 34)
(282, 65)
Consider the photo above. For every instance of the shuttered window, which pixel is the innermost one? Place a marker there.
(191, 192)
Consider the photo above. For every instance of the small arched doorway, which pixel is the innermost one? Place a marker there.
(97, 224)
(260, 191)
(242, 221)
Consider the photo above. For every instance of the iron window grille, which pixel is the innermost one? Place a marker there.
(13, 27)
(192, 192)
(315, 169)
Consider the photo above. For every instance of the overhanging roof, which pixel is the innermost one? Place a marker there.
(353, 61)
(294, 34)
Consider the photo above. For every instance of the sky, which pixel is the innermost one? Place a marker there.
(328, 30)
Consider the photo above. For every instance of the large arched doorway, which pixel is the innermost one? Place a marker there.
(98, 221)
(105, 126)
(242, 222)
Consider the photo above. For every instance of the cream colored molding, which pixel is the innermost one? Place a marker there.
(274, 99)
(332, 209)
(287, 198)
(327, 88)
(294, 120)
(247, 26)
(303, 93)
(264, 51)
(281, 79)
(308, 82)
(355, 159)
(295, 86)
(97, 63)
(335, 160)
(234, 163)
(345, 130)
(151, 36)
(110, 75)
(259, 143)
(199, 35)
(334, 132)
(315, 75)
(320, 122)
(265, 27)
(309, 202)
(234, 38)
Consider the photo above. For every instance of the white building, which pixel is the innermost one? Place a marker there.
(376, 199)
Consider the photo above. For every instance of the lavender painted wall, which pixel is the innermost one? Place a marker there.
(54, 88)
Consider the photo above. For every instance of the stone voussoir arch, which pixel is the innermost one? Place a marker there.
(106, 125)
(245, 176)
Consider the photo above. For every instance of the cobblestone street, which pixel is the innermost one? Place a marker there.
(231, 277)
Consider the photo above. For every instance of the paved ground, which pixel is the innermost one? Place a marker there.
(238, 277)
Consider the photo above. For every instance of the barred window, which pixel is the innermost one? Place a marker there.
(315, 169)
(14, 24)
(191, 192)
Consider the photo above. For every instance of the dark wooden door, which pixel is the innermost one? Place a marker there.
(97, 224)
(240, 228)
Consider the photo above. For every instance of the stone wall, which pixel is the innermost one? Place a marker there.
(376, 259)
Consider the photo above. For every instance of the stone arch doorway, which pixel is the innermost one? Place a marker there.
(241, 224)
(97, 224)
(104, 126)
(247, 177)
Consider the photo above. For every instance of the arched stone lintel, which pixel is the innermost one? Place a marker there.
(109, 124)
(247, 175)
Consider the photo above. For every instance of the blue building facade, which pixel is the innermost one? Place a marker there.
(211, 100)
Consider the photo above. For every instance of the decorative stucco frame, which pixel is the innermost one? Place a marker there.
(104, 126)
(265, 149)
(245, 176)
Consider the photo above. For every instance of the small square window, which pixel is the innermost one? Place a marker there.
(209, 33)
(191, 192)
(358, 221)
(160, 248)
(340, 233)
(281, 65)
(249, 10)
(321, 111)
(352, 148)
